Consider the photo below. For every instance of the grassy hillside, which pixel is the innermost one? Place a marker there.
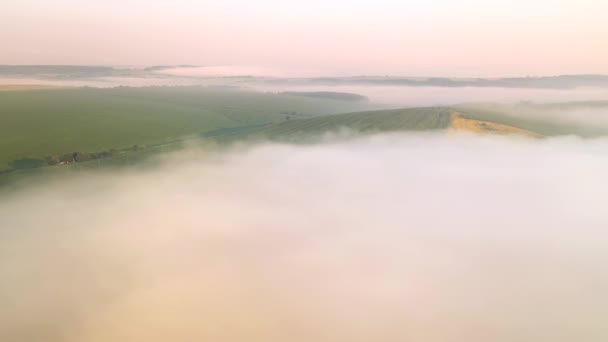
(525, 119)
(540, 118)
(416, 119)
(460, 123)
(37, 123)
(410, 119)
(95, 120)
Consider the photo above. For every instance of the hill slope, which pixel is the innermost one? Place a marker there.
(462, 123)
(533, 121)
(37, 123)
(585, 119)
(410, 119)
(238, 118)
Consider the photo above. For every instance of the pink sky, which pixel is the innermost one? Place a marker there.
(437, 37)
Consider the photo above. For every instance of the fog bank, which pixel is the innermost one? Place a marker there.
(385, 238)
(389, 96)
(403, 96)
(575, 114)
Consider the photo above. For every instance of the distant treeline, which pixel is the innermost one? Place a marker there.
(67, 158)
(77, 157)
(76, 71)
(56, 71)
(328, 95)
(165, 67)
(551, 82)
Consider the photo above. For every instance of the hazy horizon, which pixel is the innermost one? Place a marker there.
(438, 38)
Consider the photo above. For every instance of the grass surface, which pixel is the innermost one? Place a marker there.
(416, 119)
(410, 119)
(36, 123)
(40, 122)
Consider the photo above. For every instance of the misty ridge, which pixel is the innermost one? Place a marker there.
(385, 91)
(591, 114)
(234, 209)
(419, 236)
(303, 171)
(295, 77)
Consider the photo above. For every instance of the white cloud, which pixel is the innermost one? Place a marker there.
(384, 238)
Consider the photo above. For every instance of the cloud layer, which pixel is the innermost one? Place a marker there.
(384, 238)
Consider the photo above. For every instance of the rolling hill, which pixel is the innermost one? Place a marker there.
(38, 123)
(536, 121)
(410, 119)
(118, 127)
(550, 119)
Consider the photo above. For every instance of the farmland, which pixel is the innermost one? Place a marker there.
(409, 119)
(38, 123)
(87, 128)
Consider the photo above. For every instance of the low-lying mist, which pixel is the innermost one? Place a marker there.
(389, 96)
(403, 96)
(419, 237)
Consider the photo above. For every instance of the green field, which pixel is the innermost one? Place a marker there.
(409, 119)
(38, 123)
(543, 119)
(416, 119)
(126, 126)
